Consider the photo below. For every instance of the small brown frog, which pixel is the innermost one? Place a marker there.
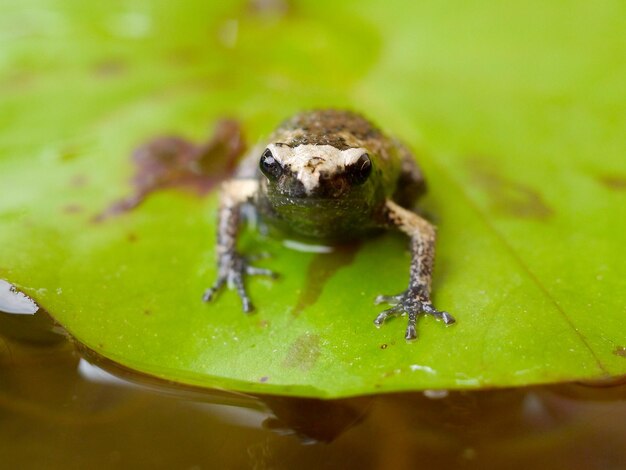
(330, 176)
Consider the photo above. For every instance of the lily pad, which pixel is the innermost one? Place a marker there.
(516, 112)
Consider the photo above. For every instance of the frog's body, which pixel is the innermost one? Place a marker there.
(330, 176)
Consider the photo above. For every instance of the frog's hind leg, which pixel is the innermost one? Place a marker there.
(416, 299)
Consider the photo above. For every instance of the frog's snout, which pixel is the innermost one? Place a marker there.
(292, 187)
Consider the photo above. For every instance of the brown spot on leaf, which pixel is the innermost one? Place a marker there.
(147, 312)
(613, 182)
(173, 162)
(322, 267)
(304, 352)
(264, 379)
(78, 181)
(270, 8)
(110, 68)
(183, 56)
(383, 346)
(17, 80)
(72, 208)
(131, 237)
(620, 351)
(509, 197)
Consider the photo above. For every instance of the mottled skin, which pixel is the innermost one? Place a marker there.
(330, 176)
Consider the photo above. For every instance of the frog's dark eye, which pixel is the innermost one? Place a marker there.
(270, 166)
(359, 171)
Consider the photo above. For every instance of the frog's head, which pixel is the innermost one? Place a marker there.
(316, 171)
(320, 191)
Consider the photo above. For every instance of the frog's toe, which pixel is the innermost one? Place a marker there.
(411, 331)
(237, 282)
(258, 256)
(413, 304)
(391, 312)
(254, 271)
(389, 299)
(438, 314)
(209, 294)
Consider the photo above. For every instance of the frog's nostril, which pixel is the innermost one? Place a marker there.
(293, 187)
(338, 187)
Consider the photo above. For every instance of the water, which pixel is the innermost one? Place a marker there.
(61, 407)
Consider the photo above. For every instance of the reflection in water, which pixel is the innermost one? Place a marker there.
(62, 407)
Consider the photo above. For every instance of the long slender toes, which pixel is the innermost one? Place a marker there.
(411, 333)
(388, 299)
(380, 319)
(208, 295)
(247, 305)
(241, 290)
(258, 256)
(382, 316)
(211, 291)
(245, 300)
(447, 318)
(439, 315)
(253, 271)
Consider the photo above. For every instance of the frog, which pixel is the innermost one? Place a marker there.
(329, 176)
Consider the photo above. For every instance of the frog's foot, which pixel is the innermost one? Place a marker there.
(412, 304)
(233, 272)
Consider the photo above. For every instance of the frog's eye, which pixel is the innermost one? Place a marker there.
(359, 171)
(270, 166)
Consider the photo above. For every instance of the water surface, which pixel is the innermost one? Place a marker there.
(62, 407)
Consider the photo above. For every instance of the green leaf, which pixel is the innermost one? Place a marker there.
(516, 111)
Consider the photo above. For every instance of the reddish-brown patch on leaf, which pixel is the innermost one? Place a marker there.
(110, 68)
(72, 208)
(613, 182)
(79, 181)
(173, 162)
(270, 8)
(509, 197)
(620, 351)
(304, 352)
(183, 56)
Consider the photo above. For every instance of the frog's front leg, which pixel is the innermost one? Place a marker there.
(416, 299)
(232, 266)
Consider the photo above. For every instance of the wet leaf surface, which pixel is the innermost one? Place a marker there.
(517, 119)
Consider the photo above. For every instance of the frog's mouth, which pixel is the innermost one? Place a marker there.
(327, 189)
(321, 204)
